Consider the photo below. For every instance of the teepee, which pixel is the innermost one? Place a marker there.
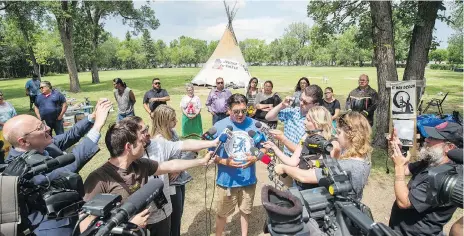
(227, 60)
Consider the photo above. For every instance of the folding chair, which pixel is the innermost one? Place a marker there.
(435, 102)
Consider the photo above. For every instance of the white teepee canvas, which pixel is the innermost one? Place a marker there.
(227, 60)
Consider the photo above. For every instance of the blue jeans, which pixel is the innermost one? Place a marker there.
(218, 116)
(122, 116)
(177, 202)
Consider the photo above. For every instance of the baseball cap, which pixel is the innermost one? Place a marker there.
(447, 131)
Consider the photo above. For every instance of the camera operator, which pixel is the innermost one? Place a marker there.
(353, 133)
(26, 133)
(126, 171)
(411, 214)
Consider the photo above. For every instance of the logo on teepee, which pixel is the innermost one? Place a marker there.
(217, 64)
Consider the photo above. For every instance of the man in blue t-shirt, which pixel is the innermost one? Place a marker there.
(236, 178)
(50, 106)
(32, 89)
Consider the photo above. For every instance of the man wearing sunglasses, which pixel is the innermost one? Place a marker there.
(50, 106)
(411, 213)
(27, 133)
(217, 101)
(236, 176)
(155, 97)
(294, 117)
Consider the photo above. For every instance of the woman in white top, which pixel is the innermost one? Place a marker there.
(191, 117)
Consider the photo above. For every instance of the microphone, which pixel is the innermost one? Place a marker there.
(208, 135)
(133, 205)
(263, 129)
(256, 136)
(225, 135)
(260, 155)
(52, 164)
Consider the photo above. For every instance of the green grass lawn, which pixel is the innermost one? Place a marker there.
(341, 79)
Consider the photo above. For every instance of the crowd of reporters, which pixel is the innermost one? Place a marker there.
(137, 157)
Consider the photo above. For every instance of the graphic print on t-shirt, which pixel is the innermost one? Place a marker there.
(238, 145)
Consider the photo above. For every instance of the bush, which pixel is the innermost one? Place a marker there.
(441, 67)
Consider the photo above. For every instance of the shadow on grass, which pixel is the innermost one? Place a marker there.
(255, 223)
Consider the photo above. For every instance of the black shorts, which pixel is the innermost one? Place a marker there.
(32, 98)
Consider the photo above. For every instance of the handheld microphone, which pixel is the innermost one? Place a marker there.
(256, 136)
(260, 155)
(133, 205)
(225, 135)
(50, 165)
(208, 135)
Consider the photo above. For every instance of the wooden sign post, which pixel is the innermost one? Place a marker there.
(403, 111)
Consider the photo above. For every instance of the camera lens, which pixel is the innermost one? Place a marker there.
(452, 190)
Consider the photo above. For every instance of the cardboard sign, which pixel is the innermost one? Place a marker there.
(403, 100)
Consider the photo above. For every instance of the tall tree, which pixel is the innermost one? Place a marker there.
(97, 11)
(64, 13)
(22, 14)
(384, 54)
(455, 42)
(421, 39)
(149, 49)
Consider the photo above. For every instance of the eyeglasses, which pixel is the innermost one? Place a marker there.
(237, 112)
(328, 93)
(219, 82)
(42, 127)
(157, 83)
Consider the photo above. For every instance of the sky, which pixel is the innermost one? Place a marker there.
(207, 20)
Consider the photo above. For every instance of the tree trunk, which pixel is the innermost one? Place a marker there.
(25, 34)
(65, 26)
(384, 53)
(421, 40)
(94, 69)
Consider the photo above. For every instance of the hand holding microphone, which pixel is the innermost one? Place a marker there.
(225, 135)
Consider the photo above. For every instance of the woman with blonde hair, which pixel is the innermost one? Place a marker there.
(353, 134)
(163, 124)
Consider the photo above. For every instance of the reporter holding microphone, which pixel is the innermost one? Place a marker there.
(353, 134)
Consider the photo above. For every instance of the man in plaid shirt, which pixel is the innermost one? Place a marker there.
(294, 117)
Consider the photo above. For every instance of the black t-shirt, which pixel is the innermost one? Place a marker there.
(152, 93)
(422, 218)
(331, 106)
(274, 100)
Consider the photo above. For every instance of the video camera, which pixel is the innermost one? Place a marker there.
(445, 182)
(21, 195)
(113, 218)
(330, 209)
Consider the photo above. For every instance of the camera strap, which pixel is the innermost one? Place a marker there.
(9, 205)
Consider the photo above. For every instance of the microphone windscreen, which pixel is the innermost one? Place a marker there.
(251, 133)
(65, 160)
(223, 138)
(230, 127)
(142, 197)
(265, 159)
(212, 131)
(258, 125)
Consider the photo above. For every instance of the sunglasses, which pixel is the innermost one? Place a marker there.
(42, 127)
(157, 83)
(219, 82)
(237, 112)
(1, 95)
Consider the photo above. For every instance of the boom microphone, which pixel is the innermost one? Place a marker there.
(208, 135)
(51, 165)
(133, 205)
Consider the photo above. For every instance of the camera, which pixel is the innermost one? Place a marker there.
(330, 209)
(58, 198)
(445, 185)
(112, 217)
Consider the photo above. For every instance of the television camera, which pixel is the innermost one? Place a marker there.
(445, 182)
(330, 209)
(113, 217)
(25, 190)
